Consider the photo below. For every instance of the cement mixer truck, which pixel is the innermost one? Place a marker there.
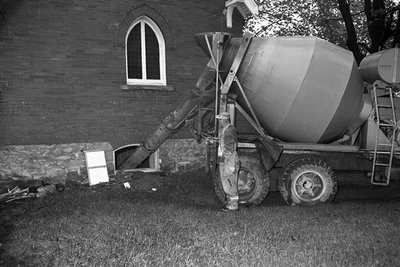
(303, 109)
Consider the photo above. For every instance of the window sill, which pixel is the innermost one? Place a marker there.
(129, 87)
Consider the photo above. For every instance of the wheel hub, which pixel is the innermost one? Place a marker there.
(308, 186)
(245, 182)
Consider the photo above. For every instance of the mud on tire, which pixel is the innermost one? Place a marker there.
(308, 181)
(253, 182)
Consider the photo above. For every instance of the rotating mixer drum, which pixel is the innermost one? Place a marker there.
(302, 89)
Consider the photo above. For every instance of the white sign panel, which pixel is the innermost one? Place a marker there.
(96, 167)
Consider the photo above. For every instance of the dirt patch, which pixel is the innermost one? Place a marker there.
(141, 181)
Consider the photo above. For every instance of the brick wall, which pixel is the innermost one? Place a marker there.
(62, 69)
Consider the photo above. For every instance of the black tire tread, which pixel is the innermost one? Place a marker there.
(252, 163)
(310, 163)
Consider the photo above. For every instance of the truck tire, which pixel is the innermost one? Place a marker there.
(308, 181)
(253, 182)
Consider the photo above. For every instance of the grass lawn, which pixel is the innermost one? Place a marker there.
(181, 224)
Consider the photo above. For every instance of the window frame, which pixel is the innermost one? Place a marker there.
(144, 20)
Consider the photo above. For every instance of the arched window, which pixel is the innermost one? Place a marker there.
(145, 53)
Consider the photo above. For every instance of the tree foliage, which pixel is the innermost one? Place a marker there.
(363, 26)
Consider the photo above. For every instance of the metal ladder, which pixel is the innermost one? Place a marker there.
(387, 159)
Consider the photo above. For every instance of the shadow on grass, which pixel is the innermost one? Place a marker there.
(190, 190)
(368, 193)
(6, 228)
(194, 190)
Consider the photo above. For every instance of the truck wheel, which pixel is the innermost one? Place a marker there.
(253, 181)
(308, 181)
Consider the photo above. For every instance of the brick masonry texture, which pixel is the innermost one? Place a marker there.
(63, 66)
(57, 162)
(61, 162)
(180, 155)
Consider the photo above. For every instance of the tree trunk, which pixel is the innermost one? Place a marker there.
(351, 42)
(376, 23)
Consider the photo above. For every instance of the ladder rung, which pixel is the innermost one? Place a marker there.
(387, 124)
(384, 106)
(382, 164)
(384, 182)
(220, 71)
(384, 144)
(384, 94)
(383, 152)
(382, 161)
